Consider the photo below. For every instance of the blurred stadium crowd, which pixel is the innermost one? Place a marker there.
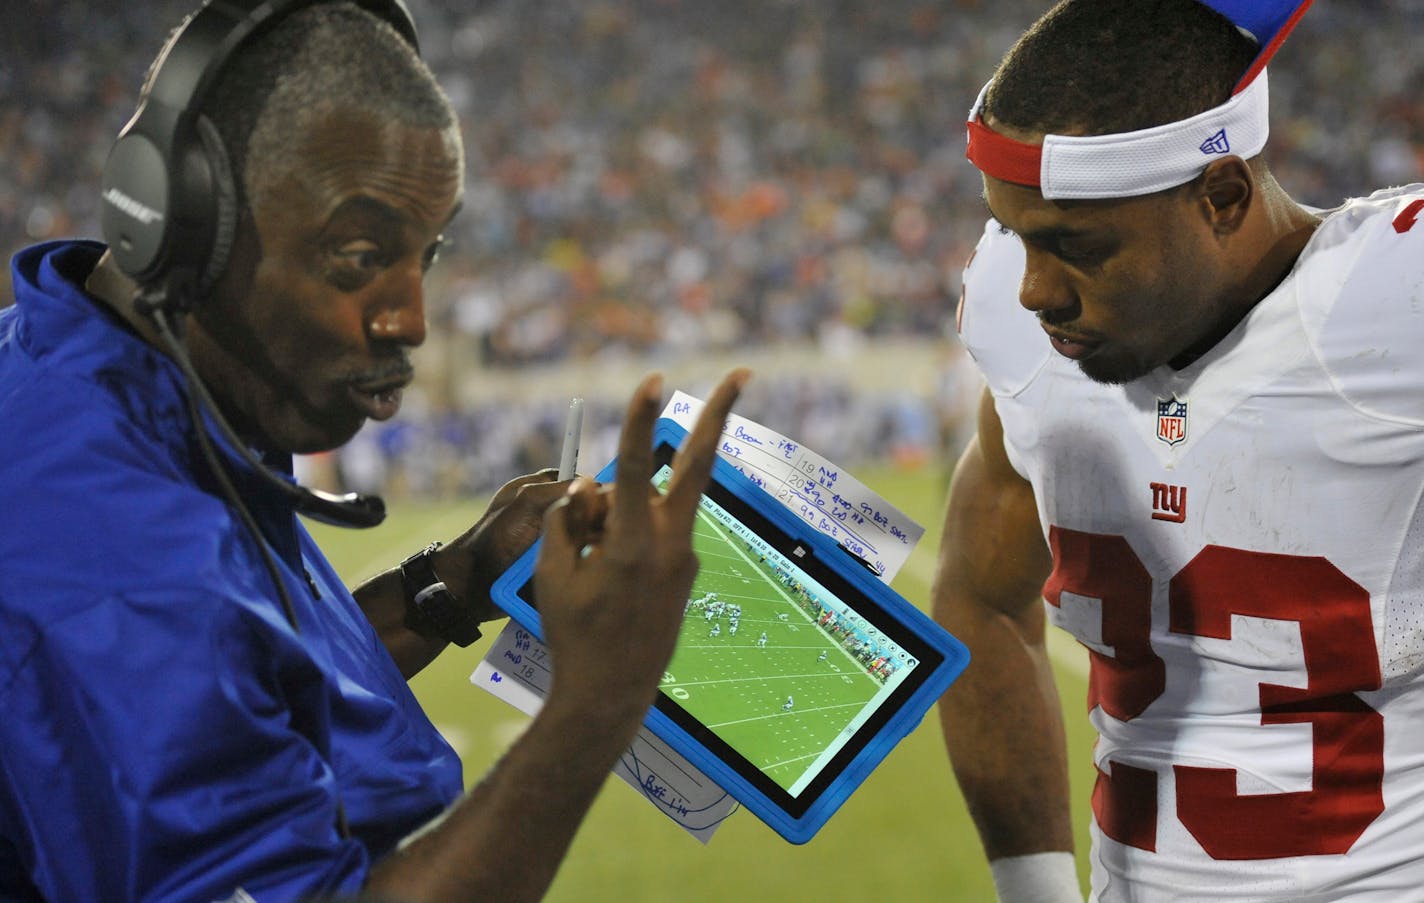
(655, 181)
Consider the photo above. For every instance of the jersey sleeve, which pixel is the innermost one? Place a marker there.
(1363, 303)
(1000, 334)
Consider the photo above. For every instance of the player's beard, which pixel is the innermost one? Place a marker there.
(1113, 370)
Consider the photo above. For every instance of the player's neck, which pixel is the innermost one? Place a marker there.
(1283, 228)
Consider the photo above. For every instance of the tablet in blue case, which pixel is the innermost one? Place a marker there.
(797, 670)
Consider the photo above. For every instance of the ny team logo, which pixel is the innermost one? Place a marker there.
(1169, 502)
(1171, 420)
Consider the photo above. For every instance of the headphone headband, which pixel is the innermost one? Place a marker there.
(194, 57)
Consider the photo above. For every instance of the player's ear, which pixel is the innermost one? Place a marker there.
(1225, 191)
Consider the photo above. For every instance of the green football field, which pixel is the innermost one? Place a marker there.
(771, 682)
(904, 834)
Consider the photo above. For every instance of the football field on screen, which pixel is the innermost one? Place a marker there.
(903, 834)
(775, 685)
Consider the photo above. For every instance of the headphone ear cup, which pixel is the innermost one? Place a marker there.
(224, 196)
(135, 211)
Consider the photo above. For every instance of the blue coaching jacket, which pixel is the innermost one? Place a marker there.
(164, 733)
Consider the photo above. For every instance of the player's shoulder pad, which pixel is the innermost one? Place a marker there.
(1361, 290)
(1003, 338)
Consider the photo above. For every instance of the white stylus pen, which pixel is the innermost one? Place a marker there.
(573, 428)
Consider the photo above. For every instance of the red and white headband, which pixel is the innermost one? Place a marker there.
(1154, 159)
(1126, 164)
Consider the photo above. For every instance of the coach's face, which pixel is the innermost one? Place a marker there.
(309, 332)
(1123, 286)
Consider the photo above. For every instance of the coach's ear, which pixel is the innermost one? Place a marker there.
(1227, 188)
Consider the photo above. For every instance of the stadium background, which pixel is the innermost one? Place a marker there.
(684, 185)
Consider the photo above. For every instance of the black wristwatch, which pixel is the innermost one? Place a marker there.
(430, 608)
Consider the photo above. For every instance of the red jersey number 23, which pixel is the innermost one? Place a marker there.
(1340, 660)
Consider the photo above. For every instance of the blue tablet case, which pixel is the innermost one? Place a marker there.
(935, 658)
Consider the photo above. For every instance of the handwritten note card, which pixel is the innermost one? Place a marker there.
(517, 668)
(821, 493)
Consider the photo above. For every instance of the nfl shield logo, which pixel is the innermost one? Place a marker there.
(1171, 420)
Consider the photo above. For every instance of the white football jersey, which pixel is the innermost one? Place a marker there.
(1240, 545)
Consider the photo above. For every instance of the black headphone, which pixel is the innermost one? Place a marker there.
(168, 200)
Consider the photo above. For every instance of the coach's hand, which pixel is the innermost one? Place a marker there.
(471, 563)
(616, 564)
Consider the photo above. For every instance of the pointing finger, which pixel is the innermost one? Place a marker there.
(635, 457)
(693, 463)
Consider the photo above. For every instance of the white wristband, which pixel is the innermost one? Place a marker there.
(1036, 878)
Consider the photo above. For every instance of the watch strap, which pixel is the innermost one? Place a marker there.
(430, 608)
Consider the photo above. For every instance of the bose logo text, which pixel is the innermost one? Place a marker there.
(132, 208)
